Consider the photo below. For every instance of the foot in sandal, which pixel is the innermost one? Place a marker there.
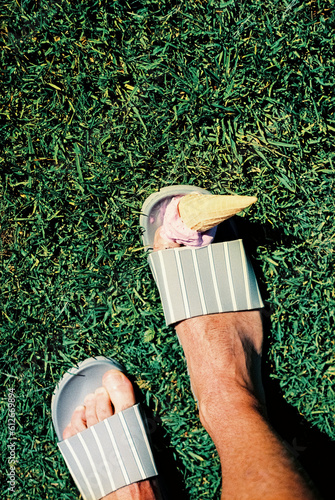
(104, 442)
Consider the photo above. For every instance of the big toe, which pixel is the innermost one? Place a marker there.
(120, 390)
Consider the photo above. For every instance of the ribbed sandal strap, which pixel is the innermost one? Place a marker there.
(198, 281)
(109, 455)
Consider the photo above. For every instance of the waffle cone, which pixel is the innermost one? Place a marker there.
(201, 212)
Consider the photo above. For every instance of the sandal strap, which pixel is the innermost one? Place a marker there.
(197, 281)
(109, 455)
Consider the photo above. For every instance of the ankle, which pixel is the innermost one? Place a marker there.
(217, 407)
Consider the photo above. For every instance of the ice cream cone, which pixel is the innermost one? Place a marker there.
(201, 212)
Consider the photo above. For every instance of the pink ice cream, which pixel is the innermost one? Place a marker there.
(174, 229)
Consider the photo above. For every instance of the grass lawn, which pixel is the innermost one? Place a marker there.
(104, 102)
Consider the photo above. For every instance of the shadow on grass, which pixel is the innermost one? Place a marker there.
(312, 449)
(171, 481)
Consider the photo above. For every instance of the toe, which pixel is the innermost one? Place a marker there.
(68, 432)
(90, 409)
(103, 404)
(77, 424)
(120, 390)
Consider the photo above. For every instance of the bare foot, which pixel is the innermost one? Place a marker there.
(115, 395)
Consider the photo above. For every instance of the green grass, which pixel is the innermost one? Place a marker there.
(103, 103)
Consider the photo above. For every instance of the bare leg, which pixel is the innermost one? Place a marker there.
(115, 395)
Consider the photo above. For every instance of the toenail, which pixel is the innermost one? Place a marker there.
(100, 390)
(89, 397)
(79, 408)
(115, 377)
